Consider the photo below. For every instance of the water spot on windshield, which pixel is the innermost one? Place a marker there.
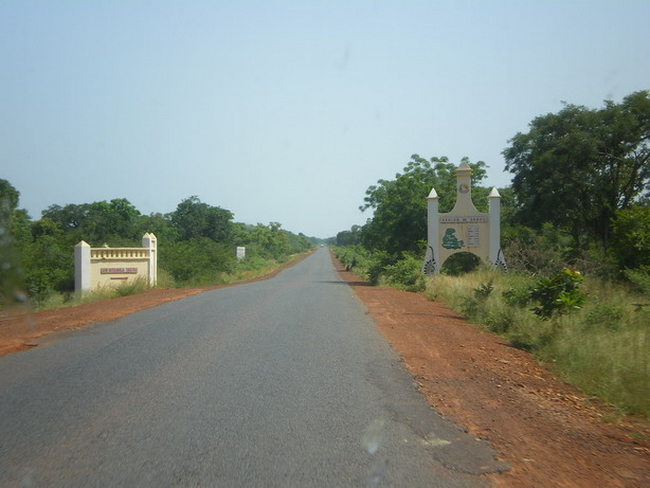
(13, 298)
(373, 436)
(371, 441)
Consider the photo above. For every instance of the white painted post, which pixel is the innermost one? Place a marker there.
(241, 253)
(463, 189)
(82, 267)
(149, 241)
(430, 265)
(154, 260)
(496, 256)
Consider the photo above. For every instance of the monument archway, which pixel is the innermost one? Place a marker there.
(464, 229)
(460, 263)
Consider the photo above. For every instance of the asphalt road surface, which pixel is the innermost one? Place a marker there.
(284, 382)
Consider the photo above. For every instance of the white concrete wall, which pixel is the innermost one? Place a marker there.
(113, 266)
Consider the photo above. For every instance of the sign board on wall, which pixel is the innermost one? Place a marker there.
(118, 270)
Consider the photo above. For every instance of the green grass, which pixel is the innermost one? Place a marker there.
(602, 348)
(59, 300)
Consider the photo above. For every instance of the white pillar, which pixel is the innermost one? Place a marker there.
(464, 189)
(430, 264)
(495, 253)
(150, 242)
(82, 267)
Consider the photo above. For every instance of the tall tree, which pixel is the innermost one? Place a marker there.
(577, 167)
(9, 196)
(349, 237)
(194, 219)
(97, 222)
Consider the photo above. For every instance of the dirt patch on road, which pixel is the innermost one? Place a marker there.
(543, 428)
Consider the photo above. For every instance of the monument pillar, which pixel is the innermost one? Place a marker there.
(464, 229)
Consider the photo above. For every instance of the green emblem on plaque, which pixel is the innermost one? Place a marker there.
(449, 241)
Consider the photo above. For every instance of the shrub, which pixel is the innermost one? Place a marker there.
(135, 286)
(197, 261)
(605, 316)
(499, 321)
(640, 279)
(484, 290)
(405, 274)
(602, 348)
(470, 307)
(558, 294)
(517, 296)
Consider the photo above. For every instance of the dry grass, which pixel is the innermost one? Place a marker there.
(603, 348)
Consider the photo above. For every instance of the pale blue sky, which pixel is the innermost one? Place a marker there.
(288, 110)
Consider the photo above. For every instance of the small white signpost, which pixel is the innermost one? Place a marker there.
(241, 253)
(464, 229)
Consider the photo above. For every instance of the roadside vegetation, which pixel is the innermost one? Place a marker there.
(196, 243)
(576, 237)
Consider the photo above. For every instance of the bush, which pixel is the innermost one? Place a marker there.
(640, 279)
(558, 294)
(499, 321)
(405, 274)
(199, 261)
(367, 264)
(460, 263)
(631, 236)
(604, 315)
(131, 288)
(601, 348)
(484, 290)
(517, 296)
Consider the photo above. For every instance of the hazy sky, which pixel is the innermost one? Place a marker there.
(288, 110)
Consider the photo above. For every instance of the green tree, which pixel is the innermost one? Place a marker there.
(399, 222)
(11, 221)
(270, 241)
(194, 219)
(298, 242)
(631, 236)
(576, 168)
(114, 221)
(158, 224)
(349, 237)
(196, 261)
(69, 217)
(48, 265)
(9, 196)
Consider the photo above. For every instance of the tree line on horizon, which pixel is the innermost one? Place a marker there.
(196, 242)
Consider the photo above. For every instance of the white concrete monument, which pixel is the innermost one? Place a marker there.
(464, 229)
(113, 266)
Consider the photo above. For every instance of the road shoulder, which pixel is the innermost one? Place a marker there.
(22, 329)
(540, 426)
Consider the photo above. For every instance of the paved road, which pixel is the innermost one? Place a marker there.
(284, 382)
